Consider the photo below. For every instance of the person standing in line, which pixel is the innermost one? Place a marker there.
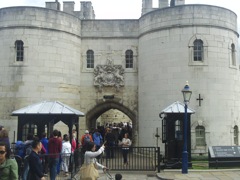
(66, 152)
(126, 143)
(35, 164)
(110, 143)
(54, 150)
(27, 151)
(74, 141)
(85, 139)
(8, 166)
(97, 139)
(44, 142)
(60, 157)
(4, 137)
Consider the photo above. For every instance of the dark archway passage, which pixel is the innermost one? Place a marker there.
(99, 109)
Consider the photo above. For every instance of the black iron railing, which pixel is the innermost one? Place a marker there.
(139, 159)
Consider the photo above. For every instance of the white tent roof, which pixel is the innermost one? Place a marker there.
(48, 107)
(177, 107)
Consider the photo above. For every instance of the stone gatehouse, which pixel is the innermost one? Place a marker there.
(138, 67)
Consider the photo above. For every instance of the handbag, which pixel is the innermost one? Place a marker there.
(88, 172)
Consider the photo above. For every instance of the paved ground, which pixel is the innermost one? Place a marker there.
(218, 174)
(131, 175)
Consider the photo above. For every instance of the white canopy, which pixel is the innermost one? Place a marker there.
(48, 107)
(177, 107)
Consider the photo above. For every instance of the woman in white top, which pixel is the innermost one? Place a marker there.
(66, 152)
(89, 170)
(126, 143)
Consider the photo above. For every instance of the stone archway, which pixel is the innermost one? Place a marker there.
(99, 109)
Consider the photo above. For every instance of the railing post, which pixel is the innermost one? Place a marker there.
(158, 159)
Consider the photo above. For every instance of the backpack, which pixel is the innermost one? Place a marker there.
(86, 139)
(20, 148)
(23, 149)
(28, 149)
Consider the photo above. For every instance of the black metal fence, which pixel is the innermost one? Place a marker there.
(139, 159)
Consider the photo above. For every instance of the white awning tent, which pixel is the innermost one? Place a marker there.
(46, 114)
(177, 107)
(48, 107)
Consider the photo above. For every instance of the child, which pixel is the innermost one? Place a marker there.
(118, 177)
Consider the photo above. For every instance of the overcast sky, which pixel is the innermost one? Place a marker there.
(119, 9)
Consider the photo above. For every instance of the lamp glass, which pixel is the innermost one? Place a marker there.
(186, 93)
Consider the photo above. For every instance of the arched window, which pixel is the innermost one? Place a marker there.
(235, 135)
(129, 58)
(90, 59)
(178, 132)
(19, 50)
(198, 50)
(233, 54)
(200, 136)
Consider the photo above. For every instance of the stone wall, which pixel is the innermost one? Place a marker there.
(51, 66)
(166, 38)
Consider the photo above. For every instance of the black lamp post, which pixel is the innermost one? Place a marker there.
(186, 96)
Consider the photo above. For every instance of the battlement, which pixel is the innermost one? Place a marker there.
(86, 12)
(147, 4)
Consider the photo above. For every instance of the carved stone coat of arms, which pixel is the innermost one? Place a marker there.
(109, 75)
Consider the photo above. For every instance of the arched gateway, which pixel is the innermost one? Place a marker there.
(99, 109)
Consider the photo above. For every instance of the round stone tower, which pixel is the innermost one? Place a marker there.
(48, 52)
(167, 58)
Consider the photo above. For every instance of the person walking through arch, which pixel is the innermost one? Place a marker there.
(110, 143)
(126, 143)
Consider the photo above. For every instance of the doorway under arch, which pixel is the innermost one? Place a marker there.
(99, 109)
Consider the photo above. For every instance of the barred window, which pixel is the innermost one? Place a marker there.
(90, 59)
(178, 131)
(200, 136)
(19, 50)
(129, 58)
(164, 130)
(235, 135)
(198, 50)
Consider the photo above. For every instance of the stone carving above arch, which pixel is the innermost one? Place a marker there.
(198, 123)
(109, 75)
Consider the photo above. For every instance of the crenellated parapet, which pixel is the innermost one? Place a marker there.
(147, 5)
(86, 12)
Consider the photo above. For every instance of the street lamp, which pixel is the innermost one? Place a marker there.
(186, 96)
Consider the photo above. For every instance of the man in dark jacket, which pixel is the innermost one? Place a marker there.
(110, 143)
(35, 164)
(54, 150)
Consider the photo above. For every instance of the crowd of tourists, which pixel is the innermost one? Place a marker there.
(50, 155)
(40, 156)
(95, 141)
